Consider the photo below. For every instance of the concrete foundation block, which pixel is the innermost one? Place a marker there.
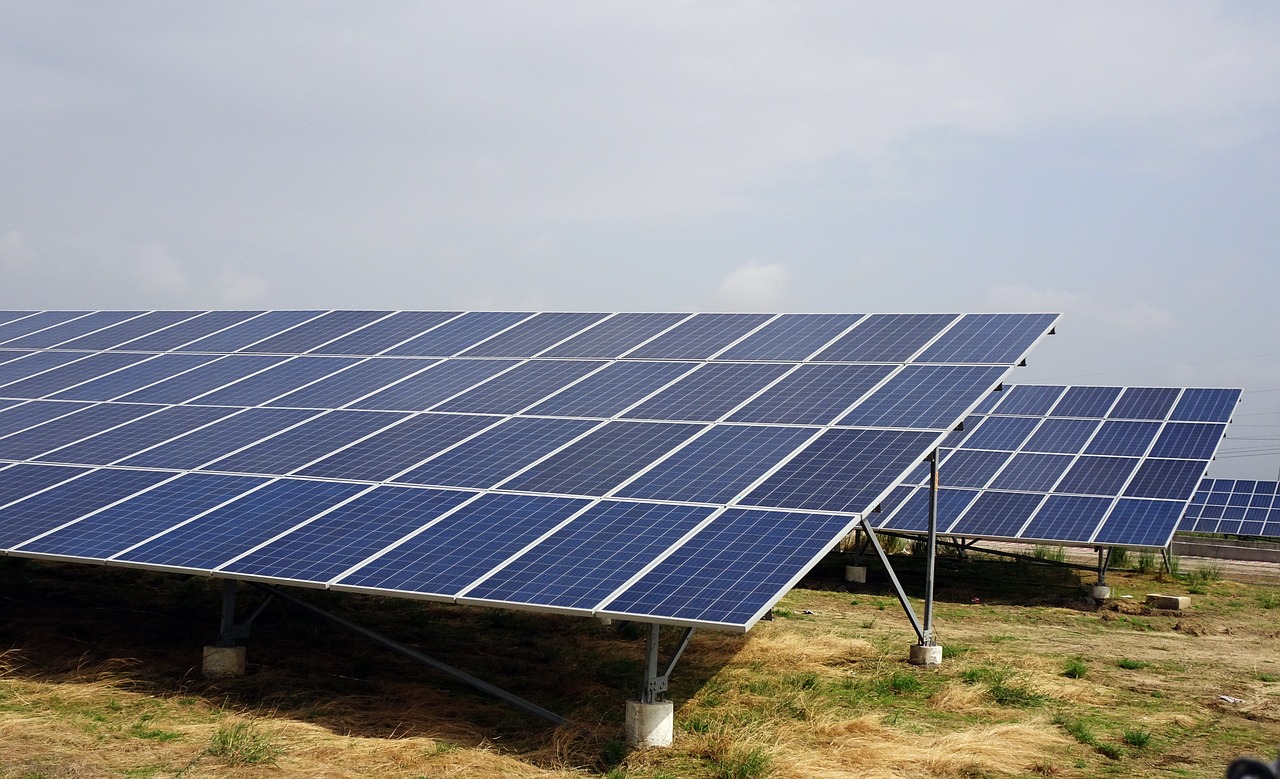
(856, 574)
(1171, 602)
(223, 662)
(1099, 592)
(925, 655)
(649, 725)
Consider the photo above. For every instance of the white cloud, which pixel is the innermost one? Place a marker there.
(159, 274)
(236, 287)
(753, 287)
(1114, 313)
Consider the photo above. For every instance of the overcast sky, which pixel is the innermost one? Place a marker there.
(1115, 162)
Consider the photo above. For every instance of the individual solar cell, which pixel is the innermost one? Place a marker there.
(1140, 523)
(733, 570)
(1123, 438)
(33, 363)
(311, 334)
(435, 384)
(708, 393)
(249, 331)
(187, 331)
(134, 377)
(603, 459)
(46, 510)
(68, 330)
(717, 466)
(812, 394)
(914, 514)
(219, 373)
(586, 560)
(457, 550)
(614, 336)
(1098, 475)
(886, 338)
(1145, 403)
(1206, 405)
(458, 334)
(1169, 479)
(63, 430)
(495, 454)
(1027, 399)
(844, 470)
(924, 396)
(306, 443)
(1192, 440)
(1061, 436)
(219, 439)
(32, 413)
(351, 384)
(970, 468)
(790, 337)
(386, 333)
(1091, 402)
(534, 335)
(144, 515)
(997, 514)
(324, 549)
(610, 390)
(1067, 518)
(1004, 433)
(19, 481)
(105, 448)
(127, 330)
(216, 537)
(1032, 472)
(382, 456)
(989, 338)
(520, 387)
(69, 375)
(699, 337)
(275, 381)
(10, 331)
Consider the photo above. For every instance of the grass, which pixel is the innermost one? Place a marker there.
(243, 743)
(1130, 664)
(1075, 668)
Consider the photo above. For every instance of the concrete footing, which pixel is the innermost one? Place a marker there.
(223, 662)
(856, 574)
(649, 725)
(1171, 602)
(1099, 592)
(925, 655)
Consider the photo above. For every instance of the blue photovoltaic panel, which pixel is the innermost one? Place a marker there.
(708, 393)
(1098, 475)
(989, 338)
(220, 535)
(18, 354)
(10, 331)
(306, 443)
(520, 387)
(495, 454)
(718, 465)
(32, 413)
(914, 511)
(9, 316)
(275, 381)
(790, 337)
(1206, 405)
(610, 390)
(614, 336)
(1032, 472)
(249, 331)
(1003, 433)
(46, 510)
(925, 396)
(32, 363)
(586, 560)
(887, 338)
(1123, 438)
(999, 514)
(135, 520)
(219, 439)
(134, 377)
(812, 394)
(699, 337)
(1067, 518)
(71, 374)
(437, 383)
(459, 334)
(1027, 399)
(450, 554)
(381, 456)
(19, 481)
(128, 330)
(71, 329)
(5, 403)
(386, 333)
(1229, 506)
(534, 335)
(67, 429)
(1145, 403)
(352, 383)
(309, 335)
(602, 460)
(203, 380)
(1189, 440)
(971, 468)
(1057, 436)
(1141, 522)
(733, 570)
(1091, 402)
(1168, 479)
(106, 448)
(346, 536)
(187, 331)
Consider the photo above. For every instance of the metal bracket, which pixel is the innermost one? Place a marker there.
(229, 631)
(1104, 561)
(655, 684)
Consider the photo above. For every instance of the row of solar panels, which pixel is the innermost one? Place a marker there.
(934, 338)
(1235, 507)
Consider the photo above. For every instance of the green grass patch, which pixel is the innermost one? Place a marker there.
(243, 743)
(1269, 600)
(1130, 664)
(1137, 738)
(1075, 668)
(741, 764)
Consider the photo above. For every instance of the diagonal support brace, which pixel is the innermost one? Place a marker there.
(655, 684)
(229, 631)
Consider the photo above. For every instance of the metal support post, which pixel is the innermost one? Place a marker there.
(1168, 560)
(893, 577)
(228, 629)
(926, 637)
(655, 684)
(1104, 560)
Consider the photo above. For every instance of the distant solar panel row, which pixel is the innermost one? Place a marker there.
(1234, 507)
(1076, 465)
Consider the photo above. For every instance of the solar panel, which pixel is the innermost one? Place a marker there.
(579, 462)
(1234, 507)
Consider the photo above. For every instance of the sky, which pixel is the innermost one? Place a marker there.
(1115, 162)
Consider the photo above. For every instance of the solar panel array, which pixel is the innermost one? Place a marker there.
(1234, 507)
(679, 468)
(1112, 466)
